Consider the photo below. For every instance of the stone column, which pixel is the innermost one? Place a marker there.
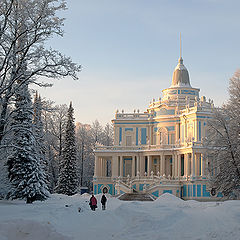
(114, 166)
(173, 165)
(164, 164)
(203, 165)
(103, 167)
(133, 166)
(95, 167)
(121, 166)
(189, 165)
(99, 172)
(176, 165)
(148, 165)
(163, 170)
(177, 132)
(197, 159)
(161, 164)
(100, 166)
(138, 164)
(150, 135)
(142, 165)
(193, 164)
(179, 165)
(185, 164)
(195, 130)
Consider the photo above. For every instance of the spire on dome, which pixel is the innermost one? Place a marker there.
(180, 46)
(180, 75)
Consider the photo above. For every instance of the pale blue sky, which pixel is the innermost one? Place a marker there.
(129, 48)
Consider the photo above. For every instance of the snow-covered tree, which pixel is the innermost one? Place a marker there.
(54, 120)
(96, 132)
(37, 21)
(39, 134)
(108, 135)
(223, 143)
(24, 164)
(68, 181)
(87, 137)
(84, 153)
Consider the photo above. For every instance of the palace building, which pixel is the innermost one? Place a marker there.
(160, 150)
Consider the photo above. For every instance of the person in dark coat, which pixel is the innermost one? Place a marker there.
(103, 201)
(93, 203)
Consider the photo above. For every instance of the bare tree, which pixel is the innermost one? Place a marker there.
(54, 120)
(108, 135)
(37, 21)
(87, 137)
(84, 153)
(223, 143)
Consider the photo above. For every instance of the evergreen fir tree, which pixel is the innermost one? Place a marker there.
(39, 134)
(24, 166)
(67, 182)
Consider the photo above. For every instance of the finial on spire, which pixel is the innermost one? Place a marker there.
(180, 45)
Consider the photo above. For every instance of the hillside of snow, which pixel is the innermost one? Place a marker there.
(168, 217)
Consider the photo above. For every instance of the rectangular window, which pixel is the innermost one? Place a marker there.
(135, 170)
(198, 190)
(182, 165)
(118, 166)
(136, 136)
(194, 190)
(146, 164)
(189, 190)
(172, 138)
(128, 140)
(143, 136)
(120, 136)
(199, 131)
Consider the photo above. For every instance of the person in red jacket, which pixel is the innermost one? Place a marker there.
(93, 203)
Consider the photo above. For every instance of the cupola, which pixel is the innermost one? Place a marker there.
(180, 76)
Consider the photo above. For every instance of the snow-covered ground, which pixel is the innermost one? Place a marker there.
(166, 218)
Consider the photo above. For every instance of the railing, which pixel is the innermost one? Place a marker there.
(149, 147)
(152, 178)
(118, 148)
(133, 115)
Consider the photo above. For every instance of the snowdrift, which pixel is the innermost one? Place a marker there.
(169, 199)
(167, 218)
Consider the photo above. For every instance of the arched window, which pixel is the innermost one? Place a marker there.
(163, 135)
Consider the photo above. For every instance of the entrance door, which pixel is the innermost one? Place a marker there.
(127, 167)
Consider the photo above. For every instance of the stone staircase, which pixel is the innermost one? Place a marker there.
(135, 196)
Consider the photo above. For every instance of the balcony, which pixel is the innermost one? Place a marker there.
(135, 115)
(147, 147)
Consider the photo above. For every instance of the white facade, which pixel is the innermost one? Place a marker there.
(161, 149)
